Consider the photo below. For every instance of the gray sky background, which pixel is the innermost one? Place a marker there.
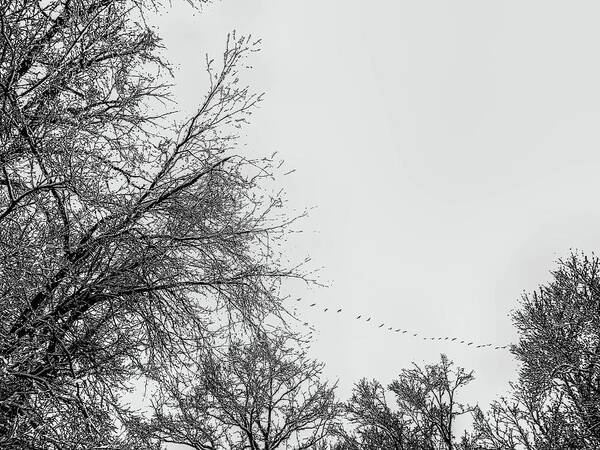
(450, 149)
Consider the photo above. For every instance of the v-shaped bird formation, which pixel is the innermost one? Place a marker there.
(455, 340)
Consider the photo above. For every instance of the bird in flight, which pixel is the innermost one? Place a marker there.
(313, 304)
(381, 325)
(339, 310)
(368, 319)
(470, 343)
(358, 317)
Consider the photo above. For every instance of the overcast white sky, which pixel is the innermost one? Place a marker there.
(451, 150)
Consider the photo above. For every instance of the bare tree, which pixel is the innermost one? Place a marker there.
(556, 402)
(526, 421)
(428, 396)
(424, 414)
(373, 423)
(259, 395)
(119, 232)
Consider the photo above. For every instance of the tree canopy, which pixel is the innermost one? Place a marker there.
(423, 417)
(120, 232)
(259, 394)
(556, 402)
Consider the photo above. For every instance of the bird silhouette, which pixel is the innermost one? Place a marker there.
(339, 310)
(470, 343)
(312, 304)
(368, 319)
(358, 317)
(325, 309)
(397, 330)
(454, 339)
(381, 325)
(405, 331)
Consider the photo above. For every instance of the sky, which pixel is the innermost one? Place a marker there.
(448, 151)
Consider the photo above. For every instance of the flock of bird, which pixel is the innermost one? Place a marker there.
(365, 318)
